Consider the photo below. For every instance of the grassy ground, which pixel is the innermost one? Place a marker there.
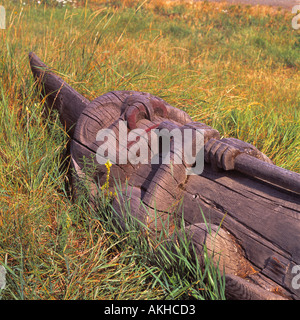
(235, 68)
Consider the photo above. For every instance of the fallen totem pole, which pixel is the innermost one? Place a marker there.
(256, 203)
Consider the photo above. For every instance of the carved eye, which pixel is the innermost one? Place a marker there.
(195, 196)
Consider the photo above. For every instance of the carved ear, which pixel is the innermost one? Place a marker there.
(59, 95)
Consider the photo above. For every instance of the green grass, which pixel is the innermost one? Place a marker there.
(235, 68)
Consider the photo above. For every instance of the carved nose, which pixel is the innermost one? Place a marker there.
(136, 113)
(143, 108)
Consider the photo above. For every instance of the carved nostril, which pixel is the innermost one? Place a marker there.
(138, 107)
(159, 108)
(134, 114)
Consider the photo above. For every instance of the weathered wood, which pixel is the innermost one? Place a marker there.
(221, 247)
(265, 171)
(229, 256)
(240, 289)
(251, 205)
(264, 220)
(58, 93)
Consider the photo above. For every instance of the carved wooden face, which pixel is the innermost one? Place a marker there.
(127, 119)
(160, 185)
